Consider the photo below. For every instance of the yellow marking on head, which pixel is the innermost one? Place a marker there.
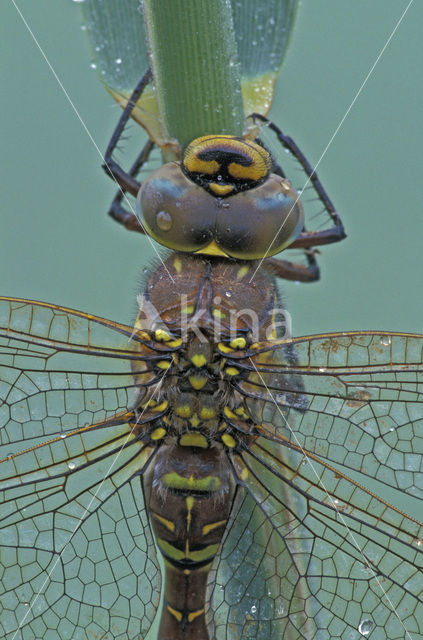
(197, 382)
(210, 527)
(238, 343)
(162, 336)
(212, 249)
(177, 264)
(224, 348)
(186, 572)
(229, 414)
(207, 413)
(167, 523)
(183, 411)
(195, 614)
(158, 433)
(242, 272)
(199, 360)
(174, 613)
(228, 440)
(218, 313)
(221, 190)
(174, 481)
(232, 371)
(194, 421)
(194, 164)
(193, 440)
(163, 364)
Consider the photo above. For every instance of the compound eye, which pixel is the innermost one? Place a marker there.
(225, 165)
(260, 222)
(175, 211)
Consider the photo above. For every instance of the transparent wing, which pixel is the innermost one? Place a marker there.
(335, 561)
(77, 553)
(62, 369)
(315, 555)
(361, 399)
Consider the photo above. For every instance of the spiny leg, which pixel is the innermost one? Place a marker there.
(126, 181)
(308, 239)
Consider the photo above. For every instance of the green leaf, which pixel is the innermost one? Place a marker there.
(119, 50)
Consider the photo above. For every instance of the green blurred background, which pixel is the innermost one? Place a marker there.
(57, 244)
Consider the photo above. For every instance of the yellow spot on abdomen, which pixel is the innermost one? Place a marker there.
(228, 440)
(207, 413)
(199, 360)
(195, 614)
(174, 613)
(183, 411)
(197, 382)
(158, 433)
(193, 440)
(210, 527)
(167, 523)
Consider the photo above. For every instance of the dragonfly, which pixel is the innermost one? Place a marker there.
(271, 401)
(238, 457)
(205, 431)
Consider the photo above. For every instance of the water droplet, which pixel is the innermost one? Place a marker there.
(322, 369)
(71, 465)
(386, 341)
(253, 609)
(63, 435)
(93, 65)
(365, 627)
(164, 220)
(118, 60)
(228, 294)
(78, 1)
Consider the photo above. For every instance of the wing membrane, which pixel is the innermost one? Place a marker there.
(308, 553)
(358, 562)
(362, 400)
(74, 526)
(61, 369)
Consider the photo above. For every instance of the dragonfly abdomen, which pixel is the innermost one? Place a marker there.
(188, 530)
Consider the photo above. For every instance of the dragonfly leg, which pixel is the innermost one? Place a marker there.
(293, 270)
(308, 239)
(126, 181)
(117, 211)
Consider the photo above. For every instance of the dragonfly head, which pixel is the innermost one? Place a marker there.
(222, 199)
